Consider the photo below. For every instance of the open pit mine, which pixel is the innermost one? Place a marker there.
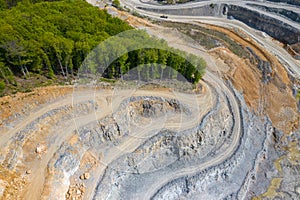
(233, 135)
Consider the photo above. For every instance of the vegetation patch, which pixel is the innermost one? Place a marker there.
(48, 41)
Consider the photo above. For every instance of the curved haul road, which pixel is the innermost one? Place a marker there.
(286, 59)
(34, 189)
(36, 186)
(288, 62)
(237, 130)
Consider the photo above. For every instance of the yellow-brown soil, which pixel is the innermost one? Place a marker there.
(12, 183)
(22, 103)
(275, 98)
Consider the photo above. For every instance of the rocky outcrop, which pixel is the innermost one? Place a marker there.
(263, 66)
(294, 16)
(208, 10)
(292, 2)
(273, 27)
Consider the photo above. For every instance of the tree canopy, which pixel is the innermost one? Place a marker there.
(52, 39)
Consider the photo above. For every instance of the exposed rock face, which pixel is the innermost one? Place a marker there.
(227, 153)
(263, 66)
(153, 146)
(294, 16)
(164, 156)
(209, 10)
(156, 107)
(292, 2)
(275, 28)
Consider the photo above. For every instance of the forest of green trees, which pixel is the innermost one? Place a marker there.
(52, 39)
(157, 64)
(141, 57)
